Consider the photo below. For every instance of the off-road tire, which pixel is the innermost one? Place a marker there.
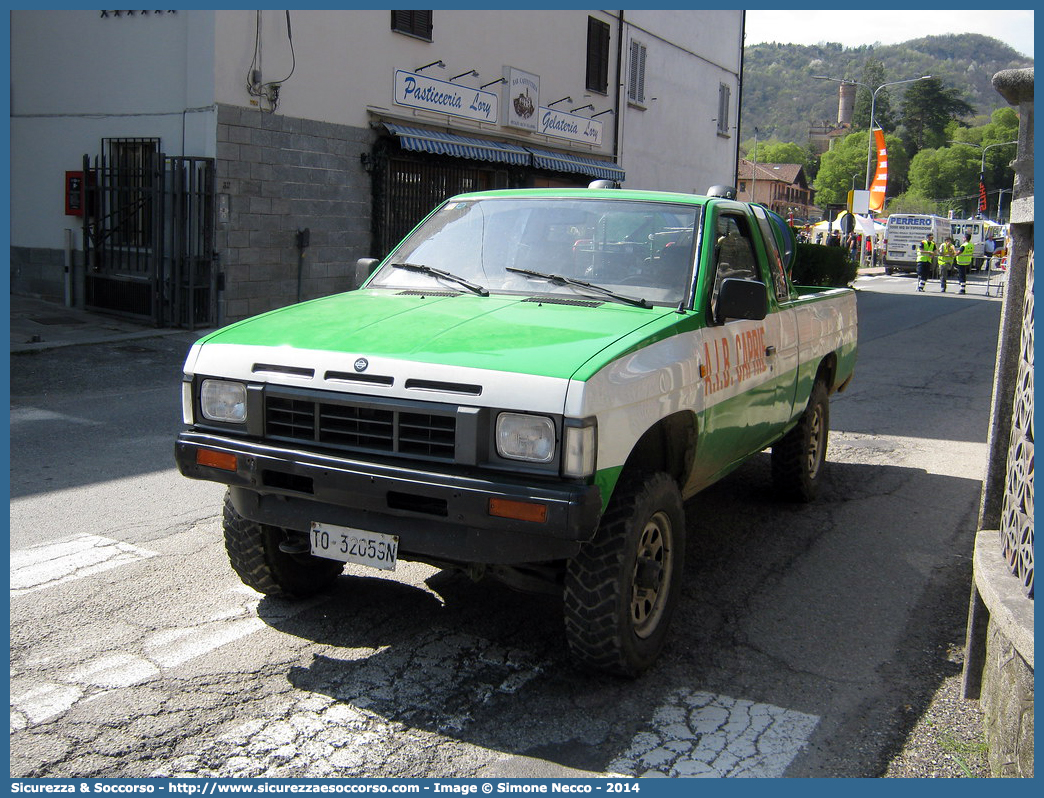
(798, 459)
(622, 587)
(253, 551)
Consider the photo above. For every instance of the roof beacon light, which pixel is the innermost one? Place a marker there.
(725, 192)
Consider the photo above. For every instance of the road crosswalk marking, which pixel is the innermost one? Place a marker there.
(692, 733)
(65, 560)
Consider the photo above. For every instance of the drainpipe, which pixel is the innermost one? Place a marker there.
(302, 241)
(618, 115)
(739, 102)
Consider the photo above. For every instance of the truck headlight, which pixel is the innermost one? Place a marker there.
(221, 400)
(523, 437)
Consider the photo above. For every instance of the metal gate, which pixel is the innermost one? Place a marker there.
(408, 188)
(148, 235)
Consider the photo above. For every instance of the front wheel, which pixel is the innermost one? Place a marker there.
(621, 589)
(255, 556)
(797, 459)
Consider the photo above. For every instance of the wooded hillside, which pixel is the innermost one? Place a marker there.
(781, 98)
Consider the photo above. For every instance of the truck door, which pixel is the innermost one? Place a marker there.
(739, 357)
(783, 363)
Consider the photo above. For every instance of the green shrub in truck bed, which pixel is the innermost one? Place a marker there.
(529, 387)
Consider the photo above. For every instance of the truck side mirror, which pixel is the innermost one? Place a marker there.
(364, 267)
(741, 299)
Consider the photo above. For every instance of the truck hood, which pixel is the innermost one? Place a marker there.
(407, 336)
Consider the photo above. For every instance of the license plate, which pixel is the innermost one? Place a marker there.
(355, 546)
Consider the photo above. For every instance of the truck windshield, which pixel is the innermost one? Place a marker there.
(636, 249)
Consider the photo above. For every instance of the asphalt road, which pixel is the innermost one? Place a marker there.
(808, 638)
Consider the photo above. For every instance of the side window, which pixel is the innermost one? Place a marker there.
(636, 74)
(776, 269)
(733, 252)
(724, 94)
(413, 23)
(597, 55)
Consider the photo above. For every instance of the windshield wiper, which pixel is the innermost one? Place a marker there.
(418, 267)
(559, 279)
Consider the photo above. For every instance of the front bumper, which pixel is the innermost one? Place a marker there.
(436, 515)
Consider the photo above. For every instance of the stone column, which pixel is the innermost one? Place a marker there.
(999, 661)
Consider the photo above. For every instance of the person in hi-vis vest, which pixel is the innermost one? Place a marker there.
(925, 256)
(965, 255)
(947, 255)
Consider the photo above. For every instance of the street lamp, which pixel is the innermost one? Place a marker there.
(754, 170)
(1000, 199)
(982, 162)
(873, 102)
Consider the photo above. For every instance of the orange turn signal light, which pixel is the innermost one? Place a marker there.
(521, 511)
(223, 460)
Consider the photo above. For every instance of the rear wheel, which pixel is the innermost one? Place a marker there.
(621, 589)
(797, 459)
(254, 553)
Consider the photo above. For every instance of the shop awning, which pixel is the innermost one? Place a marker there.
(560, 162)
(434, 141)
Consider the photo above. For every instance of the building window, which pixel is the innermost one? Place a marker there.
(412, 23)
(597, 55)
(724, 93)
(636, 74)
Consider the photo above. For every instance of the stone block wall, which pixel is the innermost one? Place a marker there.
(40, 272)
(277, 175)
(1007, 705)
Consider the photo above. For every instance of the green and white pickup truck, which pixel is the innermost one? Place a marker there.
(528, 387)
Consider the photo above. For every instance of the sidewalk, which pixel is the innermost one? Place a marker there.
(37, 325)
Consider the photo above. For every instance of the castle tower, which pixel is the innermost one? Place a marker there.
(845, 103)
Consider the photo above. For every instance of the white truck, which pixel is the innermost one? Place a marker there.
(981, 231)
(903, 233)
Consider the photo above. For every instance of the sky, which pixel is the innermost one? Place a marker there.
(855, 28)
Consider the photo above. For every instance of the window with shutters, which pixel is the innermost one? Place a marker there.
(636, 74)
(724, 93)
(597, 55)
(412, 23)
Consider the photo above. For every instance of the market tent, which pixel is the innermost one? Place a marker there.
(864, 225)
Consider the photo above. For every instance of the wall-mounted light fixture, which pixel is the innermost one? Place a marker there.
(606, 111)
(556, 102)
(439, 64)
(498, 80)
(470, 72)
(581, 108)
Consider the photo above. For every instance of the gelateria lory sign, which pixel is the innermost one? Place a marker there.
(428, 94)
(570, 126)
